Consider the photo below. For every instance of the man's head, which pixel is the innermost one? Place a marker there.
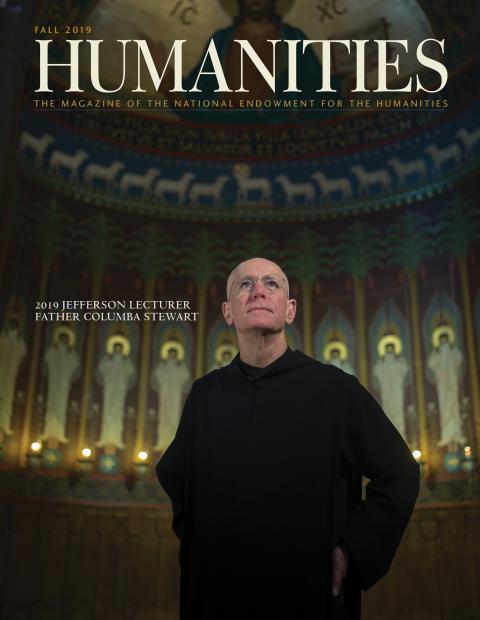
(118, 348)
(257, 297)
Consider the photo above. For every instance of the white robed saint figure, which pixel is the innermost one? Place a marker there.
(224, 355)
(445, 363)
(336, 354)
(390, 372)
(12, 352)
(62, 363)
(170, 379)
(117, 372)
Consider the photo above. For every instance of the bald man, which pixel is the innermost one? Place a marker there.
(265, 474)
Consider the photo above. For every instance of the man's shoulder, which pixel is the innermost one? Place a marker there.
(203, 383)
(299, 362)
(325, 374)
(326, 370)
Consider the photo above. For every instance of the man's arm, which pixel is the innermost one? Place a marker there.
(172, 468)
(377, 450)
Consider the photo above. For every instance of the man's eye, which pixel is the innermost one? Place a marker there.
(272, 283)
(245, 284)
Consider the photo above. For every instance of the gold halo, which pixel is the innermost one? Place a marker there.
(225, 348)
(172, 344)
(241, 168)
(442, 329)
(389, 339)
(230, 7)
(118, 339)
(60, 330)
(335, 344)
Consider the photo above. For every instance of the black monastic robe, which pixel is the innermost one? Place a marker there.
(265, 477)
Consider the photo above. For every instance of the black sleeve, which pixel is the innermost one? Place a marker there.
(376, 525)
(344, 547)
(172, 468)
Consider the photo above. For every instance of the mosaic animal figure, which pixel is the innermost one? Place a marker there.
(368, 179)
(177, 187)
(469, 140)
(212, 191)
(294, 190)
(60, 159)
(327, 186)
(440, 156)
(404, 169)
(248, 185)
(142, 182)
(37, 145)
(105, 174)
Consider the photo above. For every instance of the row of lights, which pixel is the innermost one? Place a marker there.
(86, 452)
(467, 461)
(141, 463)
(86, 462)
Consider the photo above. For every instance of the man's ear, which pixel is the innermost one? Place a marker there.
(226, 313)
(291, 311)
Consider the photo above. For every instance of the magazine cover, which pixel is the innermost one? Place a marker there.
(240, 293)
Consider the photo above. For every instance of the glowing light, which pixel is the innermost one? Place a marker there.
(36, 446)
(417, 455)
(467, 451)
(142, 456)
(86, 452)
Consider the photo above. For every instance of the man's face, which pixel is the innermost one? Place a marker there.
(256, 9)
(118, 348)
(172, 354)
(63, 339)
(390, 349)
(335, 354)
(257, 292)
